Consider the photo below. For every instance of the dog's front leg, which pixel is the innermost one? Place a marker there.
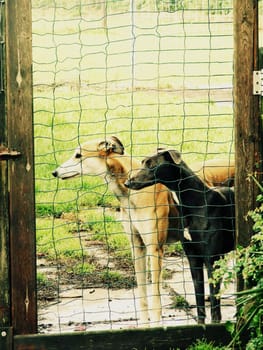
(139, 256)
(156, 257)
(197, 272)
(138, 250)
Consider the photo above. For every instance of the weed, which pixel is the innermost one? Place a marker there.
(115, 279)
(41, 278)
(174, 249)
(167, 274)
(82, 269)
(204, 345)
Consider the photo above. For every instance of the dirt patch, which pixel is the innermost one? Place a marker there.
(103, 276)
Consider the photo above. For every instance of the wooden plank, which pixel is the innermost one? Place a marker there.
(4, 226)
(247, 116)
(4, 249)
(21, 171)
(139, 339)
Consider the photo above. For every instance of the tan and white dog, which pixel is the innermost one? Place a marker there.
(149, 217)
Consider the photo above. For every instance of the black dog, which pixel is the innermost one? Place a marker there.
(209, 214)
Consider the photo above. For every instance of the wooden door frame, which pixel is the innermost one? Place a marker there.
(19, 125)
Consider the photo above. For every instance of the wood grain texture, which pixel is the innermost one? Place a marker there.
(134, 339)
(247, 116)
(4, 207)
(19, 101)
(4, 244)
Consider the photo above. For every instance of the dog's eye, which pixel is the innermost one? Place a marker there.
(149, 164)
(78, 155)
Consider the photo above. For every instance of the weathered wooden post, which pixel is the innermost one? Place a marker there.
(17, 133)
(247, 117)
(4, 222)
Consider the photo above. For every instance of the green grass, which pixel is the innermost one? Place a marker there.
(205, 345)
(115, 279)
(59, 237)
(54, 240)
(82, 269)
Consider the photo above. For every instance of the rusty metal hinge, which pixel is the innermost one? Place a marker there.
(6, 154)
(258, 82)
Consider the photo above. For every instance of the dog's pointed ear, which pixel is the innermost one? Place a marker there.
(116, 144)
(113, 145)
(173, 154)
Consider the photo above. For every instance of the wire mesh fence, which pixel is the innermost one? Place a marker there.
(154, 74)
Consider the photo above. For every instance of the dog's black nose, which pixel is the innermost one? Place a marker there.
(127, 183)
(55, 173)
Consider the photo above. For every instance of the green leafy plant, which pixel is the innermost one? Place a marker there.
(248, 265)
(205, 345)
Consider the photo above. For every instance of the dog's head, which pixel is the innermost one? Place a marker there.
(156, 169)
(89, 158)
